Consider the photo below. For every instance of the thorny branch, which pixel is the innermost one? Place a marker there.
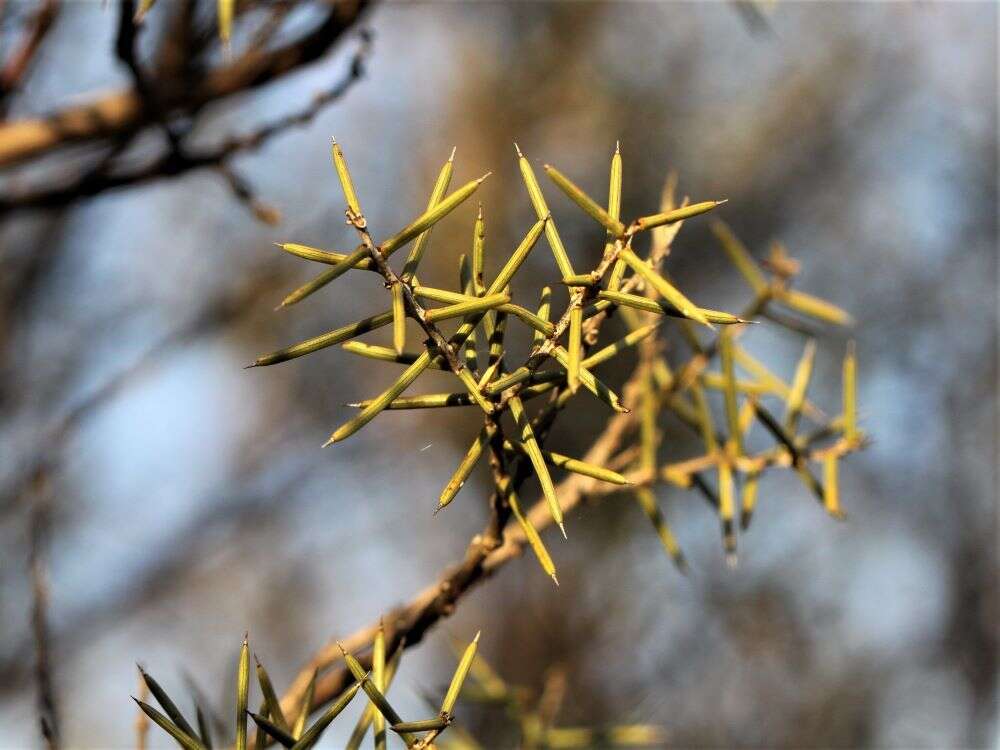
(497, 544)
(414, 308)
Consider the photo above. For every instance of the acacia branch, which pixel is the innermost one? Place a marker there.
(487, 552)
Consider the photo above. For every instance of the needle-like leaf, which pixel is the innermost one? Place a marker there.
(307, 699)
(797, 395)
(166, 704)
(242, 695)
(458, 678)
(571, 464)
(527, 438)
(520, 254)
(379, 678)
(398, 318)
(465, 468)
(437, 195)
(814, 307)
(182, 738)
(319, 256)
(382, 401)
(506, 489)
(831, 486)
(467, 285)
(272, 729)
(270, 697)
(387, 354)
(346, 183)
(678, 214)
(423, 401)
(664, 288)
(479, 252)
(575, 347)
(374, 694)
(589, 381)
(850, 394)
(615, 211)
(735, 442)
(727, 506)
(423, 725)
(542, 211)
(330, 338)
(661, 307)
(749, 499)
(226, 10)
(368, 715)
(647, 501)
(585, 202)
(312, 734)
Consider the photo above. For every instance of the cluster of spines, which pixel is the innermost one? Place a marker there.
(642, 298)
(275, 724)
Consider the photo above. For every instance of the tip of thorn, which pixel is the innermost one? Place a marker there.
(720, 202)
(618, 147)
(555, 580)
(732, 561)
(341, 647)
(438, 509)
(518, 150)
(453, 150)
(476, 639)
(562, 528)
(252, 364)
(481, 179)
(330, 441)
(246, 637)
(333, 140)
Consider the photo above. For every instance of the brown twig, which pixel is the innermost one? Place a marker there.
(414, 309)
(16, 66)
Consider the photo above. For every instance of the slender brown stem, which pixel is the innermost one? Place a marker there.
(413, 307)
